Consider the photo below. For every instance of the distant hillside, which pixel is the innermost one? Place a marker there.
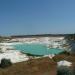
(39, 35)
(70, 36)
(67, 36)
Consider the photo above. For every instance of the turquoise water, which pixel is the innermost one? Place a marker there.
(37, 49)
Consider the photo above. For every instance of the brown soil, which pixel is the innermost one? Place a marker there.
(42, 66)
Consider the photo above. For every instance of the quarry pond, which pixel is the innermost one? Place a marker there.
(37, 49)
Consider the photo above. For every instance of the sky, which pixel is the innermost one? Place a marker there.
(22, 17)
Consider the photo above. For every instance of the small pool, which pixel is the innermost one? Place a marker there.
(37, 49)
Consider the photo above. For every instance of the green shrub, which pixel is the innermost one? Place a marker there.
(5, 63)
(74, 69)
(64, 70)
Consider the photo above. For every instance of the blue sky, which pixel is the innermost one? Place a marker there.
(37, 17)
